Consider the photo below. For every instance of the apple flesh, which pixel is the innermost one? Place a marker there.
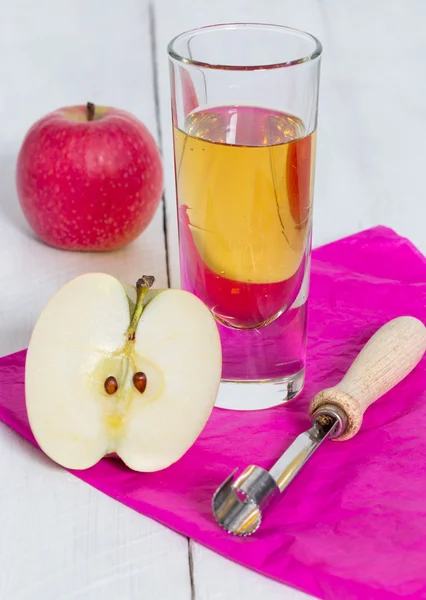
(85, 336)
(89, 178)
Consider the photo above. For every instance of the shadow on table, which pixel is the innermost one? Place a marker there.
(26, 449)
(10, 209)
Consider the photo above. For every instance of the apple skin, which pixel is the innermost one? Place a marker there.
(89, 184)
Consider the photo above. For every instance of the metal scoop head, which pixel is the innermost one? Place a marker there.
(389, 356)
(239, 503)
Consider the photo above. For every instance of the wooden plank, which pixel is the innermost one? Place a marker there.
(369, 158)
(216, 578)
(188, 14)
(372, 124)
(64, 54)
(59, 537)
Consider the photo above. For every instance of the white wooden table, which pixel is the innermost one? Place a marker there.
(60, 539)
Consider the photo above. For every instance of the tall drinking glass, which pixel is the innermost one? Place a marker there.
(244, 108)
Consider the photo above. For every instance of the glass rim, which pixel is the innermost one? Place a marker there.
(209, 65)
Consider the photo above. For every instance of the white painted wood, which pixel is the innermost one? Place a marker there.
(61, 539)
(371, 117)
(62, 53)
(369, 157)
(188, 14)
(216, 578)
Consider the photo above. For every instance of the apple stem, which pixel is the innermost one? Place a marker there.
(90, 108)
(142, 286)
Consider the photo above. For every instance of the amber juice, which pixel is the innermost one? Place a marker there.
(244, 179)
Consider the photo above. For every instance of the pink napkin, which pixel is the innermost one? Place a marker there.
(353, 523)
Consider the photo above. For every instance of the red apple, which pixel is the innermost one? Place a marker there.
(89, 178)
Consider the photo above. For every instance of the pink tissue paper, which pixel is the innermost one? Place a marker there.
(353, 523)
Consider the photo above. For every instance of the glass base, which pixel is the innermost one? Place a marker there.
(258, 395)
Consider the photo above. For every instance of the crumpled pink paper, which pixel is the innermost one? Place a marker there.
(353, 523)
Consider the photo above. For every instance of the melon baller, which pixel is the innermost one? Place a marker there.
(241, 502)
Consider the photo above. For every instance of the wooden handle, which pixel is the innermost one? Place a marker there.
(389, 356)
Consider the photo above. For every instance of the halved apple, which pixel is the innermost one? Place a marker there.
(100, 380)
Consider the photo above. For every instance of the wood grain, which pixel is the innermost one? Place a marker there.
(370, 106)
(385, 360)
(371, 122)
(60, 54)
(61, 539)
(217, 578)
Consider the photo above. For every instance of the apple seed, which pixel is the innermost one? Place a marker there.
(110, 385)
(139, 381)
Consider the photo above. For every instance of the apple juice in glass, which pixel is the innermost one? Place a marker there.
(244, 108)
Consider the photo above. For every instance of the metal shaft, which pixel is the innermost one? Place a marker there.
(293, 459)
(238, 504)
(328, 422)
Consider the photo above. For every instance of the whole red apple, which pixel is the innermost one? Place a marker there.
(89, 178)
